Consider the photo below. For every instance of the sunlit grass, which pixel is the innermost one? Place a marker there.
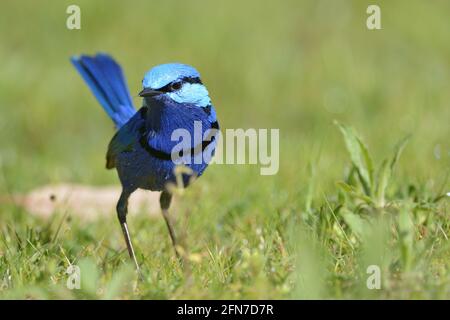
(310, 231)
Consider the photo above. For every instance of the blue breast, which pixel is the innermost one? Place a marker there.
(148, 164)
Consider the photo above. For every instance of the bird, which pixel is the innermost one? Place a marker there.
(142, 149)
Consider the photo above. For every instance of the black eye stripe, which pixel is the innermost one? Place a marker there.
(192, 80)
(169, 87)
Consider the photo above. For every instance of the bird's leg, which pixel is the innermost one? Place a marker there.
(122, 209)
(164, 201)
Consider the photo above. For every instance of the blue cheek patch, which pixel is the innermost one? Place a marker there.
(195, 94)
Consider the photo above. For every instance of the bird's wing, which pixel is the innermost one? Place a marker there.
(124, 139)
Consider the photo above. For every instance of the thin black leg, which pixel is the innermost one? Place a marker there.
(122, 210)
(164, 201)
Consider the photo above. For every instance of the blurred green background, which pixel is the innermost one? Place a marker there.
(292, 65)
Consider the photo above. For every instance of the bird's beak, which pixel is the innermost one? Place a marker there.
(147, 92)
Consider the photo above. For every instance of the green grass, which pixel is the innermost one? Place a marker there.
(341, 201)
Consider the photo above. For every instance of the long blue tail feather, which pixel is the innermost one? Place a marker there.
(107, 82)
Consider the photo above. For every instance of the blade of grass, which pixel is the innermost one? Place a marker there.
(359, 155)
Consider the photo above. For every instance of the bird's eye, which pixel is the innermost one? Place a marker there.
(175, 86)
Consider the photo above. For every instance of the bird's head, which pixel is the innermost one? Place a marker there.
(178, 82)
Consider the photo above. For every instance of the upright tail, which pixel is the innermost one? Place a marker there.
(107, 82)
